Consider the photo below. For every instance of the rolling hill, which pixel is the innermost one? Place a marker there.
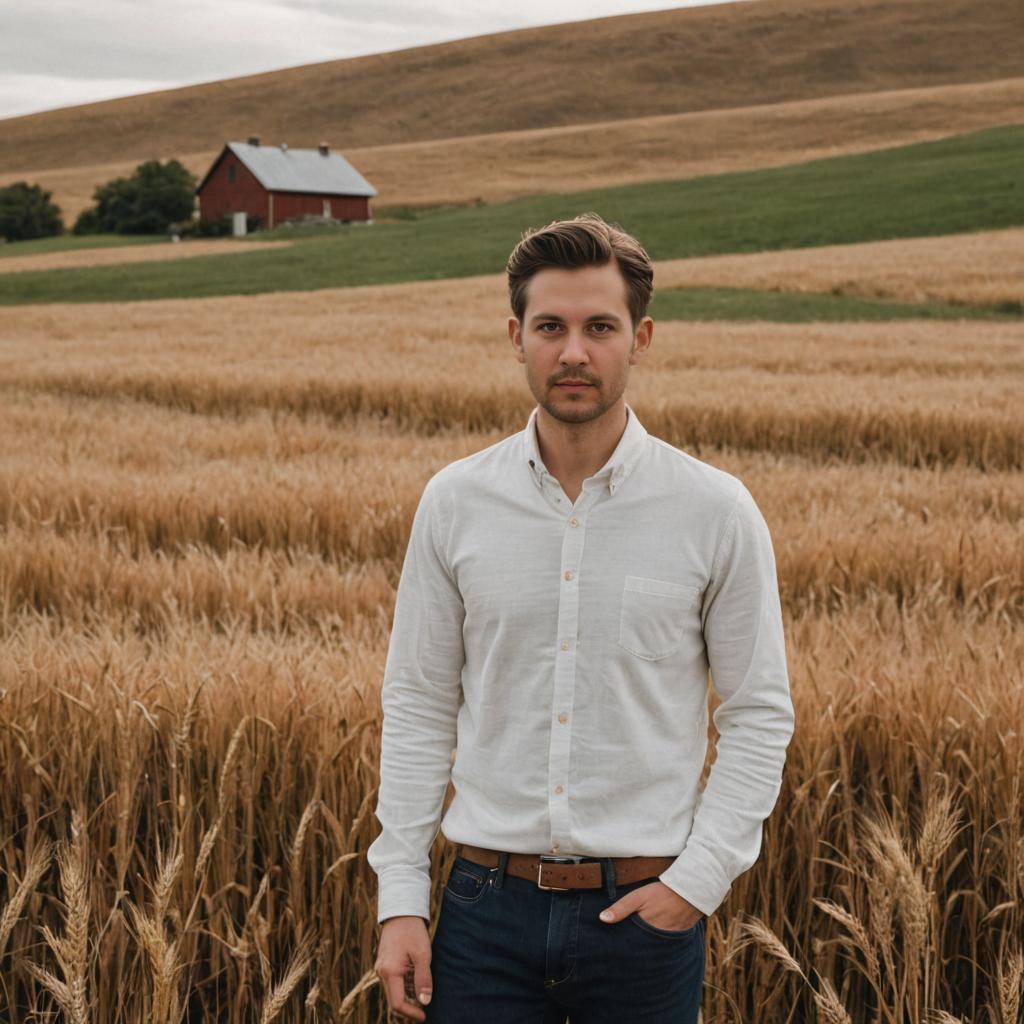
(959, 184)
(498, 166)
(668, 62)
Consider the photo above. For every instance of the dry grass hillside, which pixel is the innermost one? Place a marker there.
(668, 62)
(121, 254)
(502, 165)
(983, 267)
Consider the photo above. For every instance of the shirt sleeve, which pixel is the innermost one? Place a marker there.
(420, 697)
(742, 622)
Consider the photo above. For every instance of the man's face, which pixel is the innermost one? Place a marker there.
(576, 327)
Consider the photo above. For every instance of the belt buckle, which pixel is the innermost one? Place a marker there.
(551, 858)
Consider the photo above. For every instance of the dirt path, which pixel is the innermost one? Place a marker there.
(117, 254)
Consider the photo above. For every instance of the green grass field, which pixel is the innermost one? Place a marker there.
(65, 243)
(964, 183)
(803, 307)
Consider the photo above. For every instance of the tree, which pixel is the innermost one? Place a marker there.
(26, 212)
(155, 196)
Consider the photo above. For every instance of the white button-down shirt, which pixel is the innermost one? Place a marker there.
(551, 657)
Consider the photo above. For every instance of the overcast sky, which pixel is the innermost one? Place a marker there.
(57, 53)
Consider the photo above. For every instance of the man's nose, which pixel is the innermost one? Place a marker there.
(574, 350)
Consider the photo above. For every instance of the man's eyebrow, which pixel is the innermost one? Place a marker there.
(590, 319)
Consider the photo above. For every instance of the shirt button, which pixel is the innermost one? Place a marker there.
(568, 574)
(574, 521)
(565, 645)
(563, 718)
(558, 789)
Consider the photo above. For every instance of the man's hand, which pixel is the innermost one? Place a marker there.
(661, 906)
(405, 952)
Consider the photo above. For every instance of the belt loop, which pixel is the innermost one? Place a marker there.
(499, 876)
(609, 876)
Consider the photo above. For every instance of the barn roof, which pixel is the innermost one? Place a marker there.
(282, 169)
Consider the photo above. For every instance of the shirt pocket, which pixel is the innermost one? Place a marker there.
(653, 616)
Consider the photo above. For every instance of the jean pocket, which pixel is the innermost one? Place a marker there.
(665, 933)
(468, 881)
(653, 616)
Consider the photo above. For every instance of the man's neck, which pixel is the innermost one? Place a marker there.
(574, 451)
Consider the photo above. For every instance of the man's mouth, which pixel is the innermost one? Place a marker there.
(573, 385)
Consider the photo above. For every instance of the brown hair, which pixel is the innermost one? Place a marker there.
(584, 241)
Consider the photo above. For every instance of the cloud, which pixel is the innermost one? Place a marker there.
(160, 41)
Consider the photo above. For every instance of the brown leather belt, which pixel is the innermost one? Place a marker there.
(551, 871)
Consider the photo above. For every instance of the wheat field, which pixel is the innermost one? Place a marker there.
(975, 268)
(203, 512)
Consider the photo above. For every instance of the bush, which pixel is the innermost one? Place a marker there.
(147, 203)
(87, 223)
(26, 212)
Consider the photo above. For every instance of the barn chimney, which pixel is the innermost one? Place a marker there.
(324, 148)
(254, 140)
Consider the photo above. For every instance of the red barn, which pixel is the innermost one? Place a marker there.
(275, 183)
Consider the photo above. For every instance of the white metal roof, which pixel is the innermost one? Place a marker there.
(302, 170)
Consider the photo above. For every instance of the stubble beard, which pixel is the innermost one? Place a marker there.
(569, 411)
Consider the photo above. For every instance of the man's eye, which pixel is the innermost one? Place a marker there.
(543, 327)
(602, 328)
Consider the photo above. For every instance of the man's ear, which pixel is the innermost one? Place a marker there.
(515, 335)
(642, 339)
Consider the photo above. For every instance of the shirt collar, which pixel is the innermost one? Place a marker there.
(619, 465)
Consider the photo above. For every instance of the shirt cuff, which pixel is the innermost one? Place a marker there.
(403, 891)
(699, 880)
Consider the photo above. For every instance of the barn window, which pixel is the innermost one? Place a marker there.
(231, 173)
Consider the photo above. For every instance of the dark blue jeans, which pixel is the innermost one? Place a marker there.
(508, 952)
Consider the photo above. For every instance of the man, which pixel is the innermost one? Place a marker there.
(563, 596)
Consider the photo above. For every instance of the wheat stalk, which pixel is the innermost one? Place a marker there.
(859, 938)
(299, 841)
(38, 862)
(182, 737)
(757, 931)
(1010, 982)
(830, 1009)
(298, 965)
(168, 868)
(71, 949)
(163, 962)
(348, 1005)
(940, 827)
